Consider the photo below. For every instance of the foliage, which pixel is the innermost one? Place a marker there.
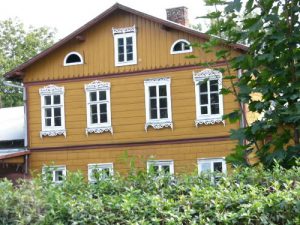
(270, 71)
(247, 196)
(17, 45)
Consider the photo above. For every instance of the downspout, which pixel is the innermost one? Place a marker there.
(21, 87)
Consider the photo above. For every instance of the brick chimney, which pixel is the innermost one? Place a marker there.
(178, 15)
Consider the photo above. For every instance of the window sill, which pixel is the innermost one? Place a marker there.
(209, 121)
(126, 63)
(52, 133)
(158, 124)
(98, 130)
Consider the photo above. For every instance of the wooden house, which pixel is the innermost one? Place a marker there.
(121, 88)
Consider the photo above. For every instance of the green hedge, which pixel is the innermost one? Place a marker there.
(247, 196)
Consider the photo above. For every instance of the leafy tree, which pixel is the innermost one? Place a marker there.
(17, 45)
(269, 69)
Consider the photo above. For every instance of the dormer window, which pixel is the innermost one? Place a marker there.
(125, 46)
(181, 46)
(73, 58)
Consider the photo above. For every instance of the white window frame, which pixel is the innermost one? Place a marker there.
(53, 170)
(161, 163)
(99, 167)
(76, 63)
(52, 90)
(96, 86)
(158, 123)
(211, 171)
(124, 33)
(182, 51)
(206, 75)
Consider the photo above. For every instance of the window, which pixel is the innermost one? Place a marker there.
(125, 46)
(99, 171)
(73, 58)
(209, 102)
(161, 166)
(98, 107)
(56, 173)
(53, 113)
(158, 103)
(181, 46)
(212, 165)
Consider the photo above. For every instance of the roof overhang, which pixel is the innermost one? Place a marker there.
(12, 153)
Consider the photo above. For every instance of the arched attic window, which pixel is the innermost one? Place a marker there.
(73, 58)
(181, 46)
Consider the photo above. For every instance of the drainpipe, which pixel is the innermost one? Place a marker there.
(21, 87)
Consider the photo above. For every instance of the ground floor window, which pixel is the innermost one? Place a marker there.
(212, 165)
(55, 173)
(161, 166)
(99, 171)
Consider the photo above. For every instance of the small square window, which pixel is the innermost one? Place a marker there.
(161, 167)
(100, 171)
(57, 174)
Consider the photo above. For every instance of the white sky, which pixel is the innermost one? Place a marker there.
(68, 15)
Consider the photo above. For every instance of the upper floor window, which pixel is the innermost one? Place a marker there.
(158, 103)
(99, 171)
(53, 113)
(181, 46)
(57, 174)
(161, 167)
(98, 107)
(212, 165)
(125, 46)
(73, 58)
(209, 101)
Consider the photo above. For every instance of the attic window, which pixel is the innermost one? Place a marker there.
(73, 58)
(181, 46)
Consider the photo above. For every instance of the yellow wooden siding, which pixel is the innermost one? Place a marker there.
(184, 155)
(153, 51)
(128, 113)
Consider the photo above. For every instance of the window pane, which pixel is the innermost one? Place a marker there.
(215, 109)
(121, 49)
(203, 87)
(48, 112)
(178, 47)
(163, 103)
(214, 85)
(121, 58)
(56, 99)
(203, 99)
(94, 109)
(47, 100)
(152, 91)
(186, 46)
(48, 122)
(217, 166)
(102, 95)
(120, 41)
(103, 108)
(105, 173)
(93, 96)
(57, 121)
(94, 118)
(205, 167)
(129, 40)
(163, 113)
(103, 118)
(153, 104)
(58, 175)
(163, 90)
(166, 169)
(73, 58)
(153, 114)
(155, 169)
(129, 48)
(214, 98)
(204, 110)
(57, 112)
(129, 56)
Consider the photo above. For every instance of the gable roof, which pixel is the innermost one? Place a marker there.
(17, 72)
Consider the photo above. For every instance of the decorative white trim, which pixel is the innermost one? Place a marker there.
(98, 128)
(164, 122)
(183, 51)
(208, 119)
(75, 63)
(124, 30)
(51, 131)
(52, 89)
(123, 33)
(161, 163)
(99, 166)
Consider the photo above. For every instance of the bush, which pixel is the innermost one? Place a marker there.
(247, 196)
